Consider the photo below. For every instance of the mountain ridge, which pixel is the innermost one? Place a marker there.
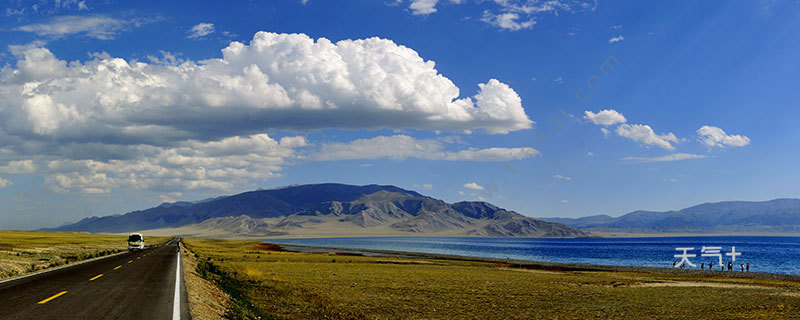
(780, 215)
(329, 207)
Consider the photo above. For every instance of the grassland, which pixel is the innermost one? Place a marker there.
(265, 282)
(24, 252)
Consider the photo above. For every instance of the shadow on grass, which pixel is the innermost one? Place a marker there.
(241, 307)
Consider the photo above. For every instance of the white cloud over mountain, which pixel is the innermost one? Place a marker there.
(716, 137)
(106, 123)
(473, 186)
(190, 165)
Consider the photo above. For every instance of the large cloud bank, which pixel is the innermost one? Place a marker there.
(284, 81)
(104, 123)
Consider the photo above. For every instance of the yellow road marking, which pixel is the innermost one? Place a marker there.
(129, 261)
(53, 297)
(117, 267)
(95, 277)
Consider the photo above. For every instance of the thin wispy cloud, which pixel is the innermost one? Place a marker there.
(616, 39)
(560, 177)
(200, 30)
(14, 12)
(400, 147)
(666, 158)
(508, 20)
(508, 15)
(97, 26)
(425, 186)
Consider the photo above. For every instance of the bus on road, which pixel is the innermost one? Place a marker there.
(135, 242)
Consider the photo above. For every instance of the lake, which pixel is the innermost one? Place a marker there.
(765, 254)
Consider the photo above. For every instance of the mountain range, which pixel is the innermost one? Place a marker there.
(774, 216)
(327, 210)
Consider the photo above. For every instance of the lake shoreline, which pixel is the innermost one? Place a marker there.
(686, 234)
(536, 265)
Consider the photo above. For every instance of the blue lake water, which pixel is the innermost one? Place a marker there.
(765, 254)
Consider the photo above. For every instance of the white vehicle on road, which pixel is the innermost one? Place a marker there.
(135, 242)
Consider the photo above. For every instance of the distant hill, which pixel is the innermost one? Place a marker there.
(328, 209)
(775, 216)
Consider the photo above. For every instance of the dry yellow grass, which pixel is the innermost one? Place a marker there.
(274, 284)
(24, 252)
(206, 301)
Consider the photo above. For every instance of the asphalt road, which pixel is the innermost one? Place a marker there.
(132, 285)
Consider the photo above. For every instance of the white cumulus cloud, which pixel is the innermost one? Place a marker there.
(108, 123)
(423, 7)
(605, 117)
(277, 81)
(18, 167)
(716, 137)
(616, 39)
(473, 186)
(645, 135)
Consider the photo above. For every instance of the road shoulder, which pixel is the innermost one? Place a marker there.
(206, 300)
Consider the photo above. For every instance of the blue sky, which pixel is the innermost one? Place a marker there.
(557, 108)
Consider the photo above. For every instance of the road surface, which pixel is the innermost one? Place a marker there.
(132, 285)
